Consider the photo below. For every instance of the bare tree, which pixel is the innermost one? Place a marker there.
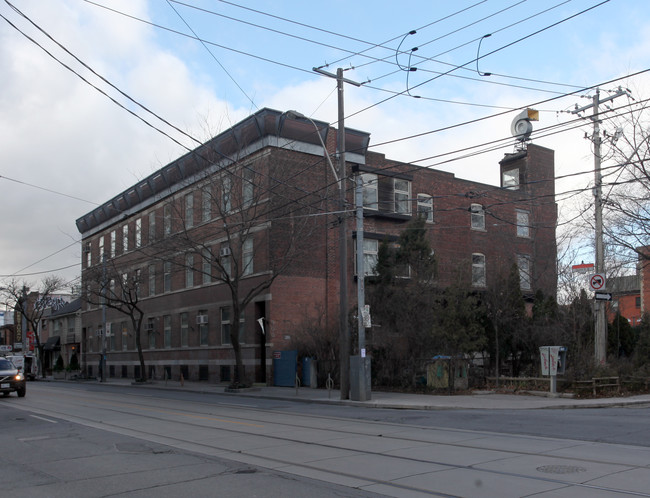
(118, 288)
(236, 211)
(31, 303)
(626, 182)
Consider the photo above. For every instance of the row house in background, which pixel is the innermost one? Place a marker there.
(626, 298)
(255, 213)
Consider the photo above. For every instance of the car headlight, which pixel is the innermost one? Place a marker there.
(19, 377)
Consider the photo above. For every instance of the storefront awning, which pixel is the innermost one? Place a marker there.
(52, 344)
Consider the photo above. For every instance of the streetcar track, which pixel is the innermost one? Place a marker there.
(195, 415)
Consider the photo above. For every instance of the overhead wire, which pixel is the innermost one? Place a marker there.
(603, 2)
(214, 57)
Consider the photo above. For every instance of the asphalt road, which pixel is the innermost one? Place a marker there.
(125, 438)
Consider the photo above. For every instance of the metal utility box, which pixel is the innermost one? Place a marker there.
(309, 378)
(285, 368)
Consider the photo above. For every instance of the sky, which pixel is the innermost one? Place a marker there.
(68, 144)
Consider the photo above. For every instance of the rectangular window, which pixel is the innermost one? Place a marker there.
(206, 271)
(167, 331)
(167, 220)
(226, 186)
(124, 326)
(88, 251)
(113, 242)
(152, 228)
(152, 280)
(247, 257)
(523, 263)
(189, 270)
(637, 301)
(125, 238)
(523, 227)
(184, 330)
(152, 339)
(206, 204)
(101, 249)
(478, 217)
(425, 207)
(189, 210)
(110, 335)
(138, 232)
(370, 191)
(510, 179)
(225, 259)
(478, 270)
(402, 193)
(137, 280)
(226, 318)
(202, 321)
(167, 276)
(370, 254)
(247, 186)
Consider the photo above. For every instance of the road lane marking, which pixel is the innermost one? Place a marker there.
(45, 419)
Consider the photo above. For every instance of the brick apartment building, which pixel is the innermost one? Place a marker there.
(257, 208)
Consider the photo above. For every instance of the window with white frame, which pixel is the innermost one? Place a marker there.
(113, 242)
(125, 288)
(402, 193)
(425, 207)
(185, 327)
(226, 319)
(189, 210)
(137, 280)
(88, 251)
(167, 276)
(247, 256)
(370, 191)
(152, 228)
(206, 257)
(151, 331)
(523, 223)
(167, 331)
(226, 186)
(189, 270)
(478, 270)
(248, 187)
(138, 232)
(125, 238)
(124, 326)
(206, 204)
(110, 336)
(203, 328)
(152, 280)
(226, 260)
(524, 265)
(510, 179)
(370, 254)
(167, 220)
(101, 248)
(477, 217)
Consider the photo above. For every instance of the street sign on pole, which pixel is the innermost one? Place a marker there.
(597, 282)
(603, 296)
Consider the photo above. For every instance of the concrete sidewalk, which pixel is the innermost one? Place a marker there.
(483, 400)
